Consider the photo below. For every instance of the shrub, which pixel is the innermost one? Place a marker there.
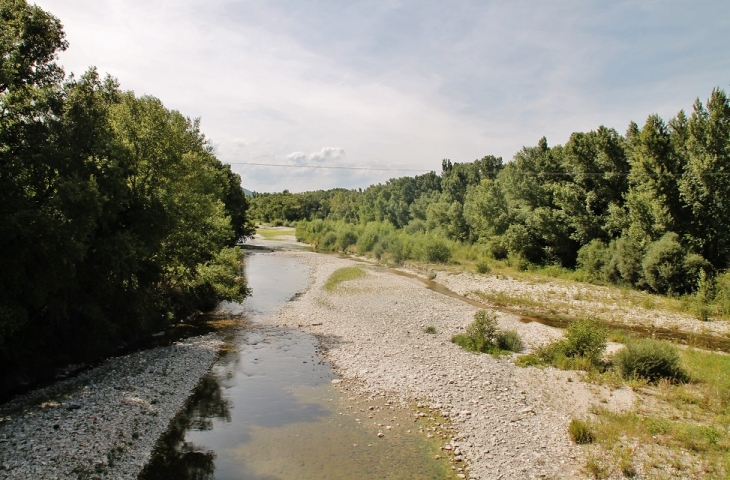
(415, 226)
(579, 349)
(482, 336)
(519, 262)
(517, 239)
(482, 266)
(625, 262)
(584, 338)
(593, 257)
(328, 241)
(430, 330)
(496, 249)
(345, 239)
(580, 432)
(509, 340)
(650, 359)
(668, 270)
(482, 331)
(366, 241)
(436, 250)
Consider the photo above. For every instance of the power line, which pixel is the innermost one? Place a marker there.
(331, 167)
(494, 172)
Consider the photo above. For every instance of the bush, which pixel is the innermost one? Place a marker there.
(482, 336)
(482, 266)
(496, 249)
(593, 257)
(652, 360)
(430, 330)
(584, 338)
(580, 432)
(580, 349)
(345, 239)
(328, 241)
(625, 262)
(482, 331)
(436, 250)
(367, 239)
(509, 340)
(519, 262)
(667, 269)
(415, 226)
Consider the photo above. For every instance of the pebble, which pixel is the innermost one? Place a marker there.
(116, 411)
(493, 405)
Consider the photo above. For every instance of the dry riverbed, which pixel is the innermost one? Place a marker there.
(105, 422)
(509, 422)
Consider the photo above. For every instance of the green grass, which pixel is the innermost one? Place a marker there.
(430, 329)
(580, 432)
(343, 275)
(676, 420)
(270, 234)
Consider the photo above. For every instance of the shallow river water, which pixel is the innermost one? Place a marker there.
(268, 409)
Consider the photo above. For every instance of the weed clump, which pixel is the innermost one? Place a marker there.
(482, 336)
(509, 340)
(580, 432)
(580, 349)
(430, 330)
(652, 360)
(482, 266)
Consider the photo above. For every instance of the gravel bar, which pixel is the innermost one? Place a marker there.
(510, 422)
(105, 422)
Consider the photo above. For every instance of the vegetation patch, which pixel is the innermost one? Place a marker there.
(483, 336)
(581, 348)
(681, 427)
(649, 359)
(580, 432)
(343, 275)
(271, 234)
(431, 330)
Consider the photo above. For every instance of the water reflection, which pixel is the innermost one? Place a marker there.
(268, 411)
(180, 459)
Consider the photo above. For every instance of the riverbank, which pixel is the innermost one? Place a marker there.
(510, 422)
(105, 422)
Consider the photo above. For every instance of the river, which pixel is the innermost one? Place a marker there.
(269, 409)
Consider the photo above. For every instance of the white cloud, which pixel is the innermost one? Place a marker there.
(398, 84)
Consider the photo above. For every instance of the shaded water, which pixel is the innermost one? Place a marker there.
(268, 409)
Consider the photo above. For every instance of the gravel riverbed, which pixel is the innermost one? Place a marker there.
(105, 422)
(510, 422)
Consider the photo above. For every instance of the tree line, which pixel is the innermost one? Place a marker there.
(650, 208)
(116, 217)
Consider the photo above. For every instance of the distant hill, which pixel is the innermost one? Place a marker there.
(248, 193)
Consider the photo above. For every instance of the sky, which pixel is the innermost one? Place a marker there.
(390, 88)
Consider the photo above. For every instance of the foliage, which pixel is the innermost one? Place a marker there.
(430, 329)
(482, 266)
(581, 348)
(584, 338)
(483, 336)
(650, 359)
(508, 340)
(115, 215)
(647, 209)
(580, 432)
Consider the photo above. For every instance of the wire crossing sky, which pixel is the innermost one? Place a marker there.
(395, 86)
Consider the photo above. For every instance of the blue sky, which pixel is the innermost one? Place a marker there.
(398, 84)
